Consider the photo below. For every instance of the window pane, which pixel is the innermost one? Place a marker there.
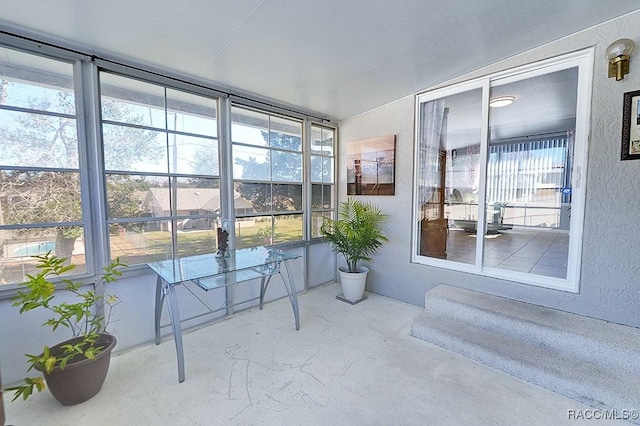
(197, 197)
(249, 127)
(287, 166)
(285, 134)
(253, 232)
(191, 113)
(321, 141)
(287, 197)
(316, 196)
(19, 245)
(251, 163)
(322, 169)
(30, 197)
(321, 197)
(529, 175)
(35, 140)
(287, 228)
(131, 149)
(125, 100)
(130, 196)
(193, 155)
(33, 82)
(257, 194)
(198, 240)
(140, 242)
(448, 176)
(316, 222)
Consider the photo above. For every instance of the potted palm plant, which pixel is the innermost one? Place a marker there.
(356, 234)
(74, 370)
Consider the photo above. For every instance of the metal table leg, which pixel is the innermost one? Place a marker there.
(174, 315)
(159, 303)
(291, 292)
(263, 288)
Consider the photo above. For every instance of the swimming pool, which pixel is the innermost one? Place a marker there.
(34, 248)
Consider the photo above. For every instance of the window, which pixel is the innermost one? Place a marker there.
(41, 185)
(267, 173)
(161, 170)
(510, 174)
(322, 176)
(142, 172)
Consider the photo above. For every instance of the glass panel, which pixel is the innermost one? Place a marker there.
(130, 196)
(249, 127)
(191, 113)
(287, 228)
(33, 82)
(253, 232)
(200, 240)
(35, 140)
(316, 222)
(193, 155)
(529, 175)
(130, 149)
(140, 242)
(321, 169)
(285, 134)
(125, 100)
(197, 197)
(29, 197)
(448, 176)
(316, 196)
(258, 195)
(251, 163)
(19, 245)
(321, 197)
(322, 141)
(287, 197)
(287, 166)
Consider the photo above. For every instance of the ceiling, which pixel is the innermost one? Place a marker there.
(335, 58)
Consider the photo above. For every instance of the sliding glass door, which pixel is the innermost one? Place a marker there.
(502, 157)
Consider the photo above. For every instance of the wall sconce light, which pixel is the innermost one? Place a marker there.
(618, 54)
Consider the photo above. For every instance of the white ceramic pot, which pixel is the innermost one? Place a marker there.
(353, 283)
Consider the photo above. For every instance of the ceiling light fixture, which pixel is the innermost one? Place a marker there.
(501, 101)
(618, 55)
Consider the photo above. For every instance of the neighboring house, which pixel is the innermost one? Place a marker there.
(190, 202)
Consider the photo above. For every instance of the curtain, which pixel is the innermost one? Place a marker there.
(432, 115)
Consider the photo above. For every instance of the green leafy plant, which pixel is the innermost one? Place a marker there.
(267, 232)
(357, 233)
(87, 318)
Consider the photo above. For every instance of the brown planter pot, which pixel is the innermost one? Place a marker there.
(80, 380)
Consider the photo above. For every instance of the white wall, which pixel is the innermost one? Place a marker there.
(610, 270)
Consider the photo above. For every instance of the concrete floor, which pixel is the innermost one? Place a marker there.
(348, 365)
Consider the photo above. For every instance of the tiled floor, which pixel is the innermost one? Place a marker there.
(522, 250)
(347, 365)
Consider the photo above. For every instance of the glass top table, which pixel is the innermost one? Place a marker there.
(209, 272)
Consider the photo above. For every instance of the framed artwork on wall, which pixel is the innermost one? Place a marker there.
(631, 126)
(371, 166)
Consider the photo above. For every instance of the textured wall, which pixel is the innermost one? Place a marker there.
(610, 267)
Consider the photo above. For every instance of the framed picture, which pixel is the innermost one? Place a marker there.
(371, 166)
(631, 126)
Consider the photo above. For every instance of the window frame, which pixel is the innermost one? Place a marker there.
(172, 176)
(323, 211)
(86, 87)
(75, 61)
(271, 183)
